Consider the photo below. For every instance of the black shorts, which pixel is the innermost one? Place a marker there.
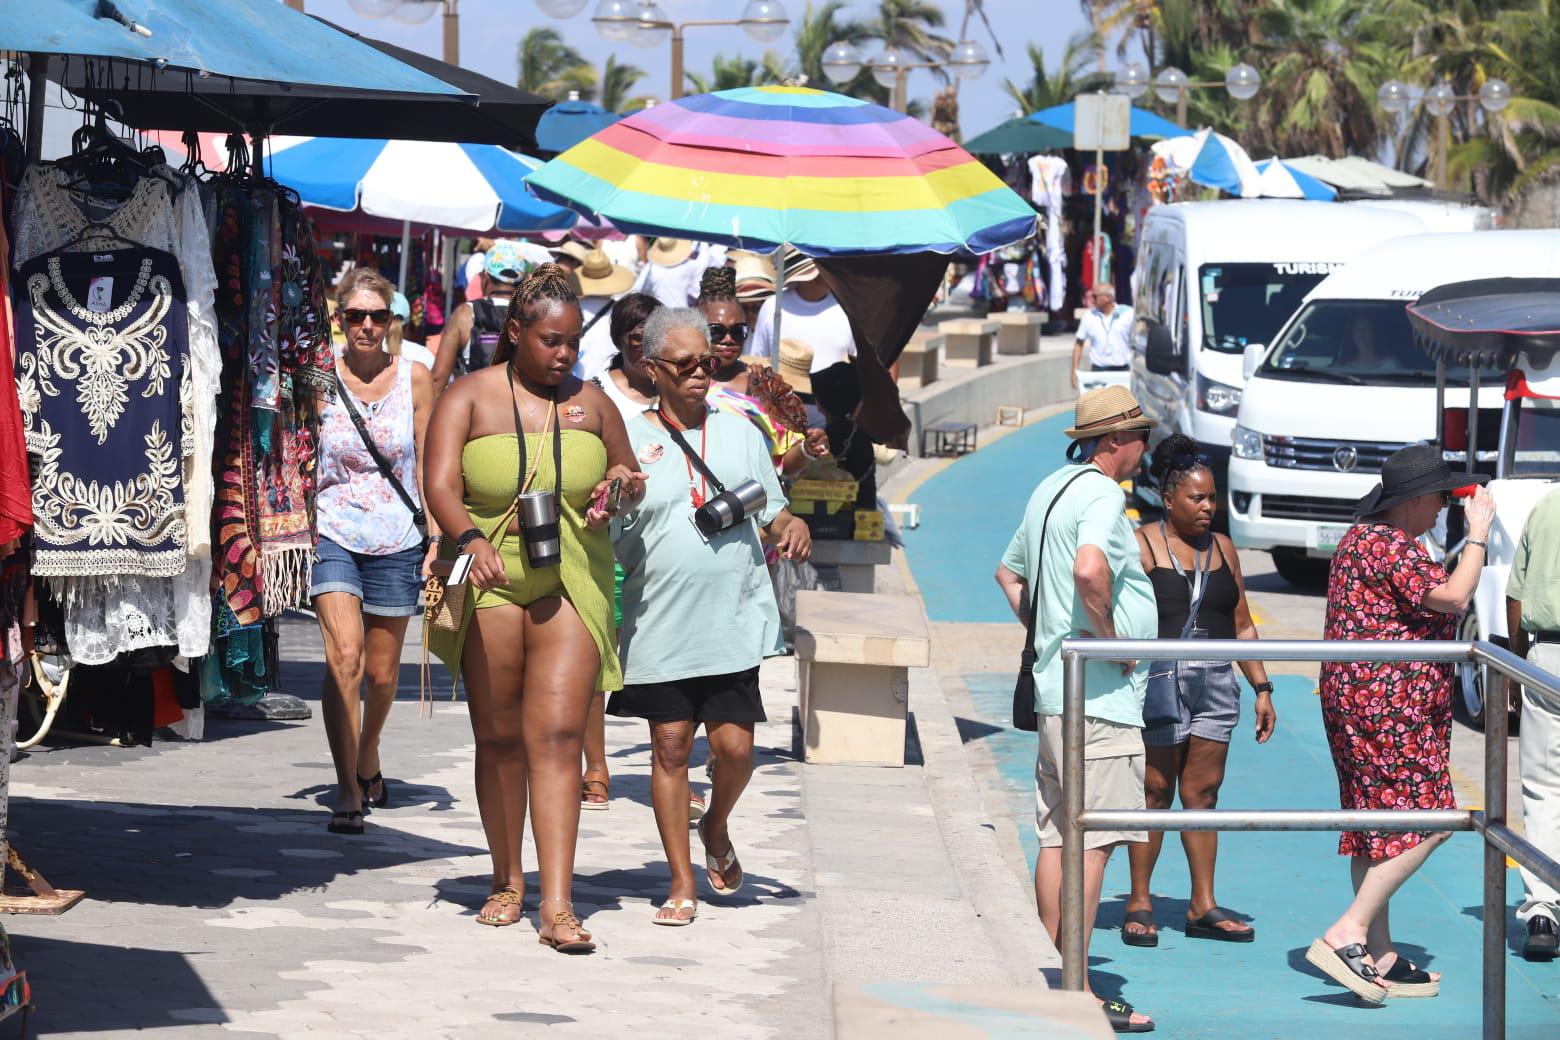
(732, 697)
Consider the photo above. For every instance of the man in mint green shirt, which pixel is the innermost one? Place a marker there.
(1533, 622)
(1089, 577)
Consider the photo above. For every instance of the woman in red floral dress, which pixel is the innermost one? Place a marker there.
(1389, 724)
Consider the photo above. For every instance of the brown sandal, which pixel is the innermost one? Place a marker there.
(581, 943)
(601, 780)
(509, 895)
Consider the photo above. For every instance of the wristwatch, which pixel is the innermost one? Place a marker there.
(1263, 687)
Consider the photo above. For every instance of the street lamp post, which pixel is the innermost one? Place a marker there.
(1395, 97)
(842, 62)
(644, 23)
(1172, 85)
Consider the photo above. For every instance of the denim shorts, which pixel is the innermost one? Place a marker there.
(389, 586)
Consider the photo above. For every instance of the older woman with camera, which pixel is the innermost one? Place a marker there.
(699, 613)
(523, 461)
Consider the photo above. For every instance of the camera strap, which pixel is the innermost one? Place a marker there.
(552, 420)
(694, 457)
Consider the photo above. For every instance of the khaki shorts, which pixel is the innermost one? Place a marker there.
(1113, 779)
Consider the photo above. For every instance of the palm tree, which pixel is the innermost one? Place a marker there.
(1324, 60)
(730, 73)
(617, 82)
(908, 25)
(818, 28)
(544, 59)
(1521, 149)
(1070, 78)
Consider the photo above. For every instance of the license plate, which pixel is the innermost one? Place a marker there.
(1329, 535)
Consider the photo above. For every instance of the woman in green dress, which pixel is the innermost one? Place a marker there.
(536, 642)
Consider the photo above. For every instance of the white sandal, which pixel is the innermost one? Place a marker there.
(720, 864)
(677, 906)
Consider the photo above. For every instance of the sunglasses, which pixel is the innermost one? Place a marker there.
(356, 316)
(685, 367)
(737, 332)
(1184, 461)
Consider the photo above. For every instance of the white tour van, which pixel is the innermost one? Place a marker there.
(1343, 386)
(1214, 278)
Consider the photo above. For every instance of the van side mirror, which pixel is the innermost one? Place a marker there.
(1160, 355)
(1251, 359)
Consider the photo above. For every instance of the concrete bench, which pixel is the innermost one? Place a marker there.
(855, 560)
(920, 359)
(1019, 332)
(853, 655)
(969, 339)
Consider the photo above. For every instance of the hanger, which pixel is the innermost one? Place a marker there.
(98, 229)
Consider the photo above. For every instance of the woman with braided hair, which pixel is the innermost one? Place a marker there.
(1200, 592)
(535, 641)
(751, 390)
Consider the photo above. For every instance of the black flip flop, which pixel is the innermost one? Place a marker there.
(383, 801)
(1144, 918)
(1207, 927)
(1119, 1014)
(346, 822)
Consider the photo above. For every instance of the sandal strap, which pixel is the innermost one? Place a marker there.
(509, 895)
(1354, 956)
(588, 783)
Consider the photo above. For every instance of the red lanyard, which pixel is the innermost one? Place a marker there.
(698, 494)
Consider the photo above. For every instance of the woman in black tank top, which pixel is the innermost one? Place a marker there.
(1188, 563)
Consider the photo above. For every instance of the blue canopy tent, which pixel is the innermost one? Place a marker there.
(1144, 123)
(569, 122)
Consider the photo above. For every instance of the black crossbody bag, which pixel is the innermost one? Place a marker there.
(419, 518)
(1024, 716)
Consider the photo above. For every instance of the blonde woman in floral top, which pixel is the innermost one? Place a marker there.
(369, 561)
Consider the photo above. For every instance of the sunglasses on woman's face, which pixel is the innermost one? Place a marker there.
(356, 316)
(685, 367)
(737, 332)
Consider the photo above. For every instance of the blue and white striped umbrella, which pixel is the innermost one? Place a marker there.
(469, 187)
(1282, 181)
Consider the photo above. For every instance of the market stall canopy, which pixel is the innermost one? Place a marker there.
(569, 122)
(1282, 181)
(239, 39)
(476, 110)
(1018, 137)
(760, 166)
(1356, 175)
(1143, 122)
(1490, 322)
(1213, 161)
(461, 187)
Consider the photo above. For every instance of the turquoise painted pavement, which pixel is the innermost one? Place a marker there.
(1292, 885)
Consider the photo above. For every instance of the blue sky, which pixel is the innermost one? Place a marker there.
(491, 31)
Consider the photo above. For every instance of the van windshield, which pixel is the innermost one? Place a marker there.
(1355, 341)
(1248, 303)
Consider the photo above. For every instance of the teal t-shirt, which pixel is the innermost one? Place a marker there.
(1090, 512)
(690, 607)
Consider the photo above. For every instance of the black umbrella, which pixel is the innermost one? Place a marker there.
(495, 113)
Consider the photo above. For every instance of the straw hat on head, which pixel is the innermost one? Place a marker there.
(669, 252)
(572, 249)
(799, 267)
(599, 276)
(1106, 410)
(795, 360)
(1408, 473)
(755, 275)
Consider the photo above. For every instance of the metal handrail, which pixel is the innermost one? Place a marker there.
(1499, 840)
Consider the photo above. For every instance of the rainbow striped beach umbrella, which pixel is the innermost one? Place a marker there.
(759, 167)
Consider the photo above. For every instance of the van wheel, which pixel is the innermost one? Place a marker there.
(1473, 682)
(1300, 570)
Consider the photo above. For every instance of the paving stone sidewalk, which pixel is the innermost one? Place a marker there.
(219, 906)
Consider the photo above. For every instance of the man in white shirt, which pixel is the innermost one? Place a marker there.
(811, 314)
(674, 268)
(1107, 329)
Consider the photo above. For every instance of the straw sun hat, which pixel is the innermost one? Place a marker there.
(795, 364)
(1106, 410)
(669, 252)
(755, 275)
(599, 276)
